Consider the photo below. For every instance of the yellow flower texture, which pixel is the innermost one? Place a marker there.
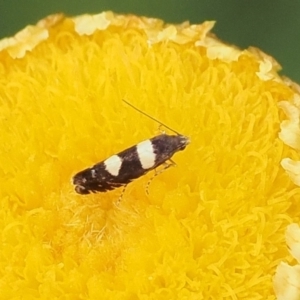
(213, 227)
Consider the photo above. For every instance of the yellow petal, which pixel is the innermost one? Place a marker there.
(287, 282)
(293, 240)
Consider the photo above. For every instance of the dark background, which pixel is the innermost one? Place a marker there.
(271, 25)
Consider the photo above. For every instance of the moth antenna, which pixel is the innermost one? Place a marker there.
(152, 118)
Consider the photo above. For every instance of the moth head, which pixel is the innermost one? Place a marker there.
(183, 141)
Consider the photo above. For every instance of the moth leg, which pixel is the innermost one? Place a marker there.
(166, 165)
(160, 129)
(122, 193)
(172, 162)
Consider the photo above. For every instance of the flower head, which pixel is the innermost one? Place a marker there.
(213, 227)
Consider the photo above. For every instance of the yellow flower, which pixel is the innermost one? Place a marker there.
(211, 228)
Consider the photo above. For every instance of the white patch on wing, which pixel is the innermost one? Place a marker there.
(93, 172)
(146, 154)
(113, 165)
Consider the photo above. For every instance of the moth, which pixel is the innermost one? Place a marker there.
(122, 168)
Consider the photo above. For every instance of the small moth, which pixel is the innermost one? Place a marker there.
(122, 168)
